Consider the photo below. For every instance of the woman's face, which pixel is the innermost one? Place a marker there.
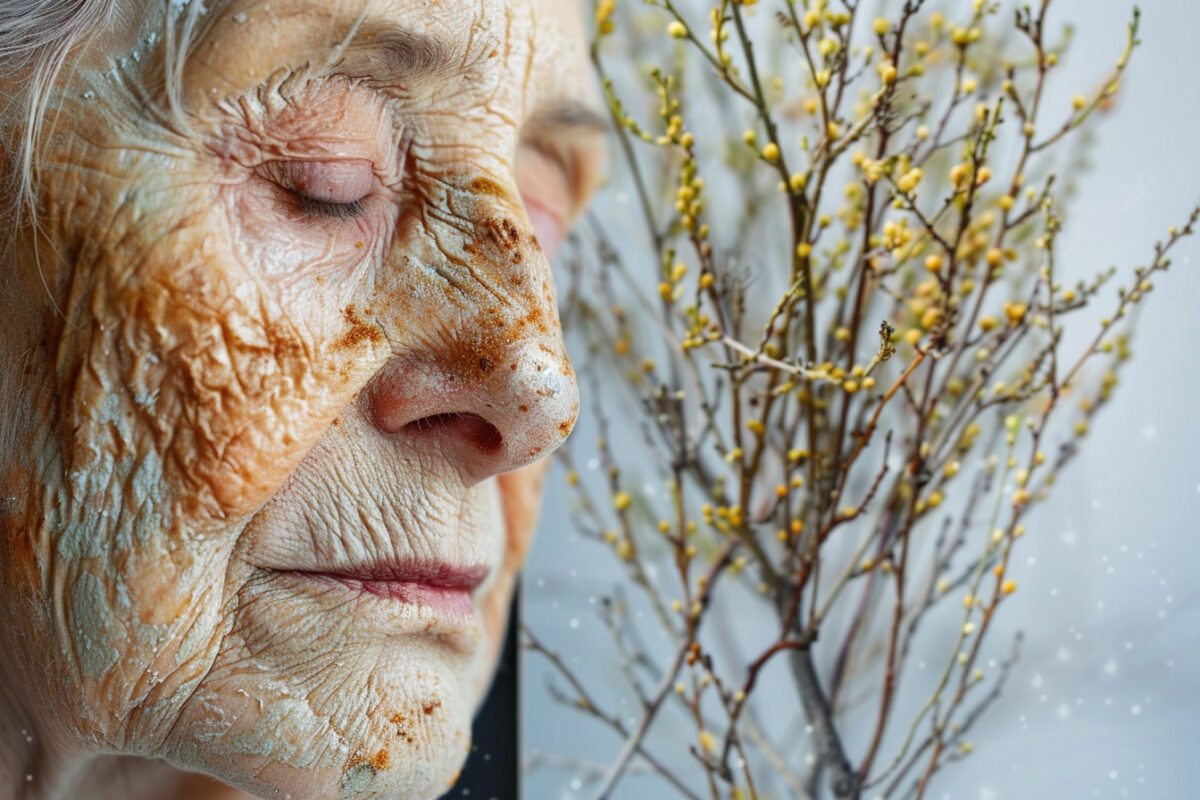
(266, 361)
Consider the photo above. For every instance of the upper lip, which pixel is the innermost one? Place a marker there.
(430, 573)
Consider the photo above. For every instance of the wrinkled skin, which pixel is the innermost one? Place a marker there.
(306, 325)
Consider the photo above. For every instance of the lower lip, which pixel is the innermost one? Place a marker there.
(445, 601)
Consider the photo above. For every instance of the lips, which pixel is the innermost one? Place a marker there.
(442, 588)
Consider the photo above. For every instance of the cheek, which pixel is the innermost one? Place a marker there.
(546, 227)
(178, 398)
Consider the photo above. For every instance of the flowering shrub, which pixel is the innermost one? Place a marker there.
(847, 382)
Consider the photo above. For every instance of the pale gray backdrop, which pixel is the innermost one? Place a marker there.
(1105, 702)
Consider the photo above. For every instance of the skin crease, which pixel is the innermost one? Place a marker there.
(214, 380)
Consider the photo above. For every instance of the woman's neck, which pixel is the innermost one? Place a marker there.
(27, 774)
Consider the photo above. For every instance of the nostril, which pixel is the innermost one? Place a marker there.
(471, 427)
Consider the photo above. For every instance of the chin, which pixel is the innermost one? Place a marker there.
(323, 690)
(343, 676)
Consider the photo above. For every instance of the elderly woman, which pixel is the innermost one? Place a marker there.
(280, 368)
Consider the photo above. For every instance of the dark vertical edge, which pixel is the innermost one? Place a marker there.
(493, 771)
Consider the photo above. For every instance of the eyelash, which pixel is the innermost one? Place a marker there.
(324, 210)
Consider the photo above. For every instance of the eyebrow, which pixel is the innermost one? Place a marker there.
(571, 114)
(384, 53)
(407, 54)
(396, 54)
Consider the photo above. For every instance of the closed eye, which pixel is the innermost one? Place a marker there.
(335, 189)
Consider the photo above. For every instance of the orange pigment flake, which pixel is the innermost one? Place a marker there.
(381, 760)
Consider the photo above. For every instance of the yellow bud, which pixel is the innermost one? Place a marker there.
(1008, 587)
(882, 26)
(988, 323)
(770, 151)
(749, 137)
(622, 500)
(1015, 312)
(1078, 102)
(677, 29)
(933, 262)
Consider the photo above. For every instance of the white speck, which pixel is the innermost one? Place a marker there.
(1031, 561)
(574, 623)
(1150, 431)
(1063, 711)
(1095, 504)
(1129, 645)
(1070, 537)
(1110, 667)
(593, 463)
(987, 793)
(1099, 605)
(240, 17)
(1135, 709)
(1038, 681)
(1063, 655)
(1112, 775)
(621, 197)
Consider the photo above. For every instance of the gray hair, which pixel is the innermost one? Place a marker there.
(37, 39)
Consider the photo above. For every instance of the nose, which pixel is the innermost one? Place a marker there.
(479, 374)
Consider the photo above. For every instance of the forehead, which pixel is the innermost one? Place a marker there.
(522, 53)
